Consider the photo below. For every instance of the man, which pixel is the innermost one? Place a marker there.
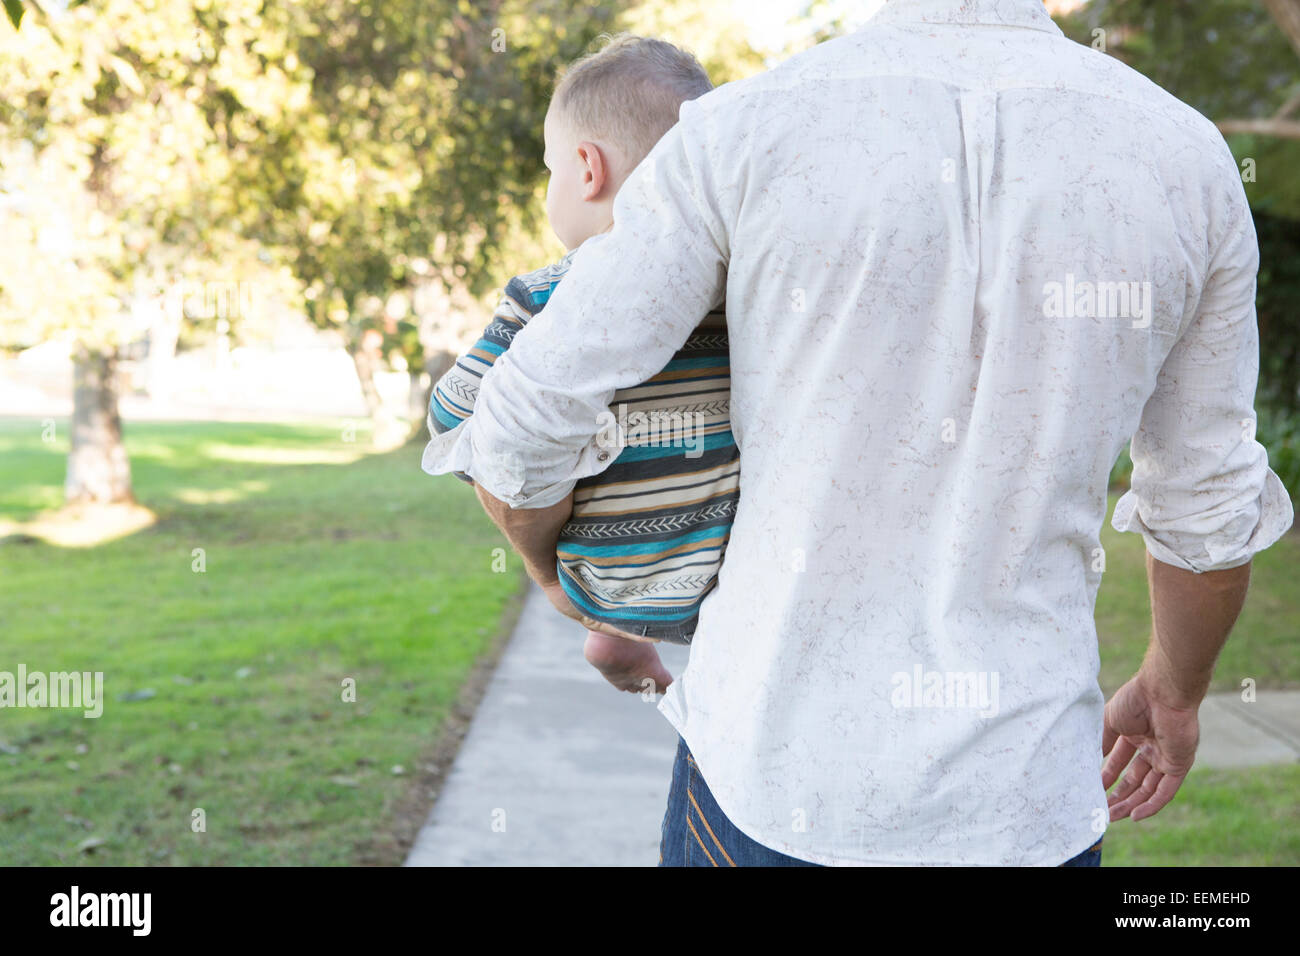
(964, 261)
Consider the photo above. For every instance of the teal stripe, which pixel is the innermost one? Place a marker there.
(705, 362)
(651, 548)
(445, 417)
(583, 603)
(542, 296)
(706, 443)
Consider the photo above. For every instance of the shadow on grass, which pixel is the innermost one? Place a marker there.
(180, 472)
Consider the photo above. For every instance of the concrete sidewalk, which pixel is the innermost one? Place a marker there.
(576, 772)
(559, 769)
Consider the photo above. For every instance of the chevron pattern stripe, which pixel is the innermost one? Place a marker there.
(690, 582)
(455, 385)
(644, 526)
(705, 342)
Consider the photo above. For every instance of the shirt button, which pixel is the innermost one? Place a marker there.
(603, 456)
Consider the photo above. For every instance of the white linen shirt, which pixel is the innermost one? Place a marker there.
(920, 230)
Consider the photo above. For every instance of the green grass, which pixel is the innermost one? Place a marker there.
(1218, 818)
(315, 572)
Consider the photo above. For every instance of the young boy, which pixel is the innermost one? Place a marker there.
(647, 535)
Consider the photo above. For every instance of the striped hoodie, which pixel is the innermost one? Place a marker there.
(647, 535)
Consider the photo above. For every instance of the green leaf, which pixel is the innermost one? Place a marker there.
(15, 10)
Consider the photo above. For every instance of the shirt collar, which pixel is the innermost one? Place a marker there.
(1008, 13)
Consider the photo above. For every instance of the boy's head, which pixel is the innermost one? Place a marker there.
(608, 110)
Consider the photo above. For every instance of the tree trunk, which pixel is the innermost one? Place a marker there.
(98, 469)
(416, 407)
(364, 361)
(389, 431)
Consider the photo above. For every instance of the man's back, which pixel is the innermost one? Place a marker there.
(928, 405)
(963, 262)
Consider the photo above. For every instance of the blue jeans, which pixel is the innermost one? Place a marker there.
(697, 833)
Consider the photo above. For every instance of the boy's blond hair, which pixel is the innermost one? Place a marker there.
(628, 92)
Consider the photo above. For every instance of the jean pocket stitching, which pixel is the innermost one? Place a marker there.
(699, 813)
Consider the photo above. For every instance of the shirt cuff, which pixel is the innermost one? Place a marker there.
(437, 453)
(503, 475)
(1198, 552)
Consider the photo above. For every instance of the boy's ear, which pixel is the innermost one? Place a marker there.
(597, 169)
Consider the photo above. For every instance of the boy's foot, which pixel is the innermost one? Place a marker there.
(628, 665)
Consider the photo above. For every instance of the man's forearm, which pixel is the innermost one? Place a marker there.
(533, 532)
(1192, 615)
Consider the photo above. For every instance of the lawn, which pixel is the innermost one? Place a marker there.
(1238, 817)
(224, 687)
(321, 563)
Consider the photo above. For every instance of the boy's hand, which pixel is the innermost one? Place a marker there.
(628, 665)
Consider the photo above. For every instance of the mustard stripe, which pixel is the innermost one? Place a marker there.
(701, 842)
(709, 828)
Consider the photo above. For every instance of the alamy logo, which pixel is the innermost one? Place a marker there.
(102, 909)
(1098, 300)
(656, 429)
(946, 689)
(76, 689)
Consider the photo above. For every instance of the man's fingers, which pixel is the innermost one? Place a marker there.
(1121, 753)
(1169, 785)
(1132, 780)
(1139, 797)
(1122, 808)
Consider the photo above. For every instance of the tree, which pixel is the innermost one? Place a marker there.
(1236, 61)
(411, 163)
(119, 125)
(364, 156)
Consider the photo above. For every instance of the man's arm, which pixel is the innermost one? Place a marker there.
(532, 532)
(1205, 501)
(1191, 616)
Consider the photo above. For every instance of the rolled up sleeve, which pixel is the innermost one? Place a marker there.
(1202, 494)
(629, 301)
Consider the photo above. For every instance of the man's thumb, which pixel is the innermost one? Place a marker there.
(1108, 734)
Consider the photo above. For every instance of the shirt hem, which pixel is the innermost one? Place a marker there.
(671, 710)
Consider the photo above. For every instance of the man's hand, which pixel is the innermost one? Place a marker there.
(1145, 725)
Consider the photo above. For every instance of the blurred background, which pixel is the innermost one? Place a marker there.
(240, 241)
